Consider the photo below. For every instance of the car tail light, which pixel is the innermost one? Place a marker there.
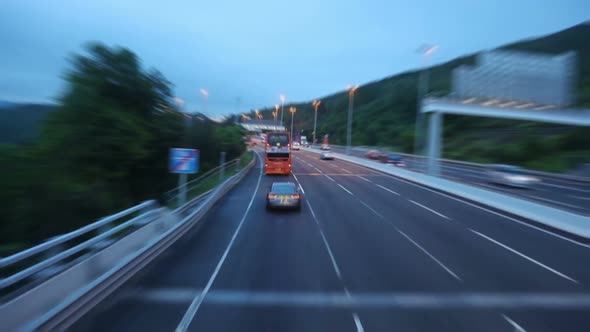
(289, 165)
(295, 196)
(272, 196)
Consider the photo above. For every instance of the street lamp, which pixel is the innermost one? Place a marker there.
(425, 51)
(276, 113)
(292, 110)
(205, 95)
(283, 98)
(315, 104)
(351, 91)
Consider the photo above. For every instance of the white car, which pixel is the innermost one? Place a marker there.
(296, 145)
(325, 147)
(512, 176)
(326, 156)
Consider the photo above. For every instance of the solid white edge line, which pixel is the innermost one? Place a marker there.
(391, 191)
(348, 191)
(191, 312)
(517, 327)
(525, 257)
(494, 212)
(355, 317)
(429, 209)
(430, 255)
(317, 169)
(372, 210)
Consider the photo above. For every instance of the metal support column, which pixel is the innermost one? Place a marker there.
(434, 142)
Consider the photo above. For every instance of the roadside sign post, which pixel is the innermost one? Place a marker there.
(183, 162)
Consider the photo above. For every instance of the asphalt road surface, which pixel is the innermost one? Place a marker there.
(368, 252)
(569, 195)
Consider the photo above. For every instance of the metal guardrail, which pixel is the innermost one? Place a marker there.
(72, 307)
(420, 158)
(47, 248)
(58, 252)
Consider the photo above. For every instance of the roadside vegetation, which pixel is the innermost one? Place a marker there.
(104, 147)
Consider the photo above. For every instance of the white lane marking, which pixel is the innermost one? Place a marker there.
(481, 208)
(317, 169)
(429, 209)
(525, 257)
(333, 165)
(581, 197)
(355, 317)
(564, 187)
(357, 322)
(347, 171)
(429, 255)
(495, 213)
(330, 178)
(391, 191)
(191, 312)
(517, 328)
(334, 264)
(299, 183)
(372, 210)
(554, 202)
(364, 178)
(348, 191)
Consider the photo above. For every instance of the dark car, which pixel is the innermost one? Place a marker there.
(375, 154)
(394, 159)
(283, 195)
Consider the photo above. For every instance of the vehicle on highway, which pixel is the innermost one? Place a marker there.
(394, 159)
(325, 147)
(296, 145)
(326, 156)
(277, 156)
(375, 154)
(510, 175)
(283, 195)
(304, 141)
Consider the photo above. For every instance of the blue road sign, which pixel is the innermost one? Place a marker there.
(184, 160)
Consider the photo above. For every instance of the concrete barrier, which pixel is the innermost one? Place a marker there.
(569, 222)
(60, 301)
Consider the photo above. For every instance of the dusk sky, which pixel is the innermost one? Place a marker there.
(255, 50)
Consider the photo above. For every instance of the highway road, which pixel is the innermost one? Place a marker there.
(569, 195)
(368, 252)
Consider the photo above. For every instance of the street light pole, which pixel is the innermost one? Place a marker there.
(292, 110)
(276, 113)
(205, 95)
(349, 125)
(316, 103)
(283, 98)
(423, 81)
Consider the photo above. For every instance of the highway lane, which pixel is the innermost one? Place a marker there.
(368, 252)
(563, 194)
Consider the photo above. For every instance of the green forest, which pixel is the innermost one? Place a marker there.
(103, 147)
(385, 114)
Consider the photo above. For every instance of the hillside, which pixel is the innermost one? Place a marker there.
(20, 123)
(385, 112)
